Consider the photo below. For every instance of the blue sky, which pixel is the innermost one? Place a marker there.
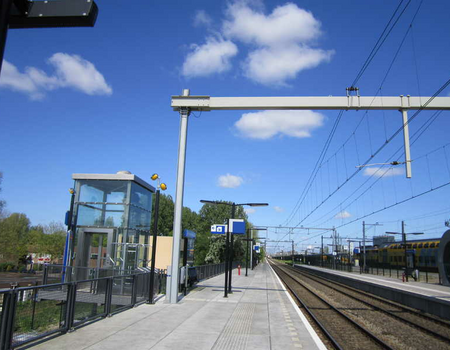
(97, 100)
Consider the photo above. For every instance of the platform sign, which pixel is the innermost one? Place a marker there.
(237, 226)
(256, 248)
(189, 234)
(356, 251)
(218, 229)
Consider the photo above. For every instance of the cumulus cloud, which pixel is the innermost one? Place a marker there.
(278, 209)
(280, 43)
(285, 25)
(70, 71)
(382, 172)
(266, 124)
(202, 19)
(212, 57)
(275, 65)
(343, 215)
(230, 181)
(250, 210)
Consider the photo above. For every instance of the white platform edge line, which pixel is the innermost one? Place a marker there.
(308, 326)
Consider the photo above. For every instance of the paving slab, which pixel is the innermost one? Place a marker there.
(258, 314)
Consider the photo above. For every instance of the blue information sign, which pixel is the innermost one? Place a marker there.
(218, 229)
(237, 226)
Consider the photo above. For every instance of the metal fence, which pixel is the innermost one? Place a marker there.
(61, 274)
(426, 275)
(31, 313)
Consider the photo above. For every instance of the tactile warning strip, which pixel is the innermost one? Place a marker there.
(237, 329)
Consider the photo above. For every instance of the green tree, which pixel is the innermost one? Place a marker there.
(2, 202)
(209, 248)
(13, 237)
(165, 215)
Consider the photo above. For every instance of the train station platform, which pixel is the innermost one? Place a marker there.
(428, 297)
(259, 314)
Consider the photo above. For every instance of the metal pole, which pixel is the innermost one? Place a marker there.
(155, 233)
(184, 114)
(233, 213)
(227, 238)
(364, 246)
(406, 142)
(292, 252)
(251, 249)
(5, 8)
(406, 255)
(321, 253)
(246, 255)
(230, 262)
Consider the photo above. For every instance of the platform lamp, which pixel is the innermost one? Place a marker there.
(163, 187)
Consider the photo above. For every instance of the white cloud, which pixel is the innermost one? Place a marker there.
(212, 57)
(280, 43)
(273, 66)
(278, 209)
(250, 210)
(266, 124)
(202, 19)
(70, 71)
(383, 172)
(11, 78)
(285, 25)
(74, 71)
(343, 215)
(230, 181)
(281, 39)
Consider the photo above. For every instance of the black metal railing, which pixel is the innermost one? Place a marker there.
(31, 313)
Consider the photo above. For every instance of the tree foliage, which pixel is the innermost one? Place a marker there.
(2, 202)
(18, 238)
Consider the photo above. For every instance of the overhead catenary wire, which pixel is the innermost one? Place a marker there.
(395, 134)
(372, 54)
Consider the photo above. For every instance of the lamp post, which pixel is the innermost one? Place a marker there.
(229, 252)
(364, 242)
(163, 187)
(248, 240)
(403, 233)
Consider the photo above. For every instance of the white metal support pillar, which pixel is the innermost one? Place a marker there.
(406, 142)
(173, 292)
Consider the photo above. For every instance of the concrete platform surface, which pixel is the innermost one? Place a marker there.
(259, 314)
(431, 290)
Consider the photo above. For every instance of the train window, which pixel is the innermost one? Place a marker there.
(433, 260)
(414, 245)
(426, 245)
(420, 245)
(432, 245)
(421, 259)
(437, 244)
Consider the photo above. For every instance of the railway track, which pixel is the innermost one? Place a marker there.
(381, 324)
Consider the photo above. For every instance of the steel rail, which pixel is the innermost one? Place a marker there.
(391, 314)
(352, 322)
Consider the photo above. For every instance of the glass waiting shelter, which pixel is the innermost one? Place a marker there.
(111, 222)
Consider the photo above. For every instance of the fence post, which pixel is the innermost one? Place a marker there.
(8, 313)
(45, 278)
(108, 296)
(70, 306)
(134, 291)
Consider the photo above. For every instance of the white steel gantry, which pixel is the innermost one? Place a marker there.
(185, 103)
